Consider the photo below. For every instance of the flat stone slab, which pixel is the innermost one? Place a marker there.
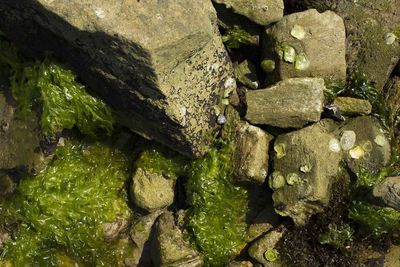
(160, 64)
(291, 103)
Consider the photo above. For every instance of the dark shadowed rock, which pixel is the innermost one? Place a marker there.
(160, 64)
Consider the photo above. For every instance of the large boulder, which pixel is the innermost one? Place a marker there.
(160, 64)
(262, 12)
(291, 103)
(307, 44)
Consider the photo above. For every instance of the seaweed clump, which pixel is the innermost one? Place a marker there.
(65, 102)
(236, 38)
(61, 212)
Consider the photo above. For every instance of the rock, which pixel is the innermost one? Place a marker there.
(114, 229)
(151, 191)
(307, 44)
(392, 257)
(19, 140)
(266, 220)
(291, 103)
(140, 234)
(263, 250)
(240, 264)
(160, 64)
(251, 153)
(305, 166)
(388, 191)
(370, 27)
(7, 184)
(370, 147)
(349, 106)
(4, 238)
(168, 246)
(262, 12)
(246, 73)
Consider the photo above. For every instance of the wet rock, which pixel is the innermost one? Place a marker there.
(262, 12)
(140, 234)
(246, 73)
(263, 250)
(349, 106)
(19, 140)
(388, 192)
(265, 221)
(151, 191)
(251, 153)
(291, 103)
(307, 44)
(168, 246)
(159, 64)
(306, 164)
(369, 147)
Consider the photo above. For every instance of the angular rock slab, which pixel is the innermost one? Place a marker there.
(291, 103)
(388, 191)
(305, 167)
(307, 44)
(160, 64)
(262, 12)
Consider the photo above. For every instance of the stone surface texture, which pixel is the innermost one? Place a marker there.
(291, 103)
(160, 64)
(388, 191)
(349, 106)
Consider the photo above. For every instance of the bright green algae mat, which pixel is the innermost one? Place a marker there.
(62, 210)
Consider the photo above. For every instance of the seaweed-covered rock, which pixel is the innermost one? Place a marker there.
(388, 191)
(291, 103)
(349, 106)
(262, 12)
(306, 164)
(169, 247)
(251, 153)
(151, 190)
(159, 64)
(246, 73)
(307, 44)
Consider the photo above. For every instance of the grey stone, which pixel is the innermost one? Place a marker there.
(151, 190)
(251, 153)
(160, 64)
(291, 103)
(169, 247)
(262, 12)
(246, 73)
(307, 44)
(266, 243)
(310, 166)
(349, 106)
(388, 191)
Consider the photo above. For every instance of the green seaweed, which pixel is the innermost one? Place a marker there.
(338, 236)
(65, 102)
(236, 37)
(217, 207)
(64, 208)
(373, 219)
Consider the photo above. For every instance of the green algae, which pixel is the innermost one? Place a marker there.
(65, 102)
(338, 236)
(236, 37)
(64, 208)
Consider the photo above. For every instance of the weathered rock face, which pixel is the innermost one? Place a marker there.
(262, 12)
(388, 191)
(291, 103)
(349, 106)
(169, 248)
(160, 64)
(305, 167)
(151, 190)
(307, 44)
(251, 153)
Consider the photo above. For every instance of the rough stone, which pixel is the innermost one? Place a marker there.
(266, 243)
(265, 221)
(114, 229)
(151, 191)
(160, 64)
(19, 140)
(291, 103)
(140, 234)
(251, 153)
(307, 44)
(246, 73)
(388, 191)
(168, 246)
(309, 165)
(262, 12)
(349, 106)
